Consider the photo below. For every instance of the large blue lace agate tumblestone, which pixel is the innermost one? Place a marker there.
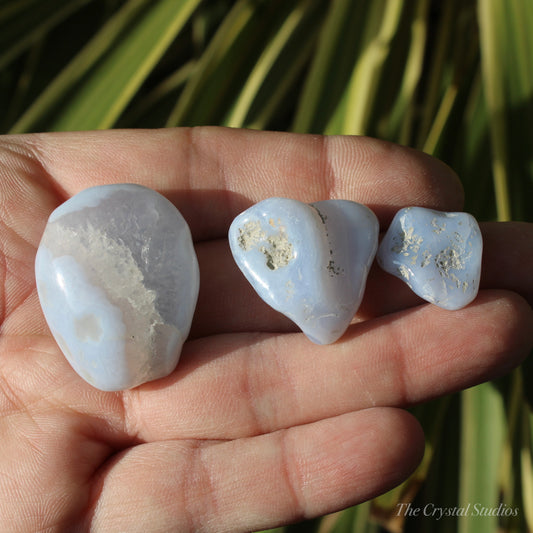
(437, 254)
(118, 279)
(308, 261)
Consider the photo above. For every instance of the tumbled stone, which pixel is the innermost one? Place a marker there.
(118, 280)
(437, 254)
(308, 261)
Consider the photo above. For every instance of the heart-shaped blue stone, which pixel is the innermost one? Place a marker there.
(118, 279)
(308, 261)
(437, 254)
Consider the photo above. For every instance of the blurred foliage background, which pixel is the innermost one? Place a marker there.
(453, 78)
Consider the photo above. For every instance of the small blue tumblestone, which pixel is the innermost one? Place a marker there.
(437, 254)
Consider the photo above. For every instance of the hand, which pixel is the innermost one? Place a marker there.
(257, 426)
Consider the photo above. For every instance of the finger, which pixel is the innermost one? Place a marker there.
(227, 301)
(212, 174)
(240, 385)
(506, 264)
(256, 483)
(25, 203)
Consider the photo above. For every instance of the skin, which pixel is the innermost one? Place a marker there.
(257, 426)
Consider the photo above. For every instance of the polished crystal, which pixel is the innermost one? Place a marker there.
(118, 279)
(437, 254)
(308, 261)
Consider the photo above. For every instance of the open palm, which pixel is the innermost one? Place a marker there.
(257, 426)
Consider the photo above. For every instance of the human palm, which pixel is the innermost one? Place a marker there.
(257, 426)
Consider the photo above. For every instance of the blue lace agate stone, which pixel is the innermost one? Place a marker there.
(118, 279)
(308, 261)
(437, 254)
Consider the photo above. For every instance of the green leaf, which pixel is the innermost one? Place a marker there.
(382, 25)
(164, 90)
(22, 23)
(113, 83)
(483, 429)
(526, 463)
(281, 43)
(490, 17)
(79, 68)
(337, 49)
(113, 66)
(353, 520)
(228, 61)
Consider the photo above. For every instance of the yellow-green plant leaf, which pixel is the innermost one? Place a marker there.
(277, 69)
(113, 82)
(227, 62)
(362, 88)
(526, 460)
(59, 89)
(332, 65)
(169, 85)
(264, 64)
(24, 22)
(353, 520)
(507, 61)
(491, 13)
(402, 113)
(225, 39)
(275, 91)
(482, 436)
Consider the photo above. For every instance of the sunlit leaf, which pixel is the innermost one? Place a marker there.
(80, 67)
(482, 432)
(109, 89)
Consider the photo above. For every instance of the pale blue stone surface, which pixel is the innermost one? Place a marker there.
(118, 280)
(308, 261)
(437, 254)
